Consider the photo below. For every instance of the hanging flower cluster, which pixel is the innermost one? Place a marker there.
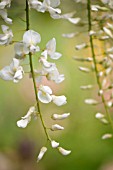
(29, 46)
(99, 24)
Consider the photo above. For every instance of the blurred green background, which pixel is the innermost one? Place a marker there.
(20, 147)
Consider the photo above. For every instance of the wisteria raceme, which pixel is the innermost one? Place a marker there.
(29, 47)
(99, 36)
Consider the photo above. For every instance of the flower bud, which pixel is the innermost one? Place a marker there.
(54, 144)
(60, 117)
(64, 151)
(59, 100)
(99, 115)
(91, 101)
(107, 136)
(41, 154)
(57, 127)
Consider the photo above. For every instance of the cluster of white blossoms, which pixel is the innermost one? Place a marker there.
(46, 5)
(50, 71)
(28, 47)
(100, 61)
(4, 4)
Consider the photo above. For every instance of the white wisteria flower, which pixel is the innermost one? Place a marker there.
(44, 94)
(54, 144)
(26, 119)
(6, 38)
(31, 39)
(59, 100)
(99, 115)
(48, 5)
(60, 116)
(13, 72)
(64, 151)
(51, 72)
(51, 50)
(46, 65)
(4, 15)
(5, 3)
(54, 75)
(21, 50)
(57, 127)
(35, 4)
(41, 153)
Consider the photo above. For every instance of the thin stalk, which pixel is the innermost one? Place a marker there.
(94, 61)
(33, 75)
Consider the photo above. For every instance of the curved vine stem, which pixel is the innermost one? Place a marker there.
(33, 75)
(94, 61)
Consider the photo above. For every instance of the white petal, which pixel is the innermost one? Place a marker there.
(54, 3)
(45, 89)
(29, 113)
(6, 73)
(31, 37)
(44, 97)
(59, 100)
(57, 127)
(60, 117)
(45, 62)
(18, 74)
(41, 154)
(44, 54)
(8, 20)
(68, 15)
(64, 151)
(51, 47)
(21, 50)
(60, 78)
(74, 20)
(54, 144)
(23, 122)
(15, 64)
(108, 32)
(56, 56)
(4, 28)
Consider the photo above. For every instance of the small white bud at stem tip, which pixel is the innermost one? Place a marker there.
(41, 154)
(64, 151)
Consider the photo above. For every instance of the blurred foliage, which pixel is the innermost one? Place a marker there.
(82, 134)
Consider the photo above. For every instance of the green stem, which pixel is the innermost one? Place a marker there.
(94, 61)
(33, 75)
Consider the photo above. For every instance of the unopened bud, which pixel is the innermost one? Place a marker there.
(57, 127)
